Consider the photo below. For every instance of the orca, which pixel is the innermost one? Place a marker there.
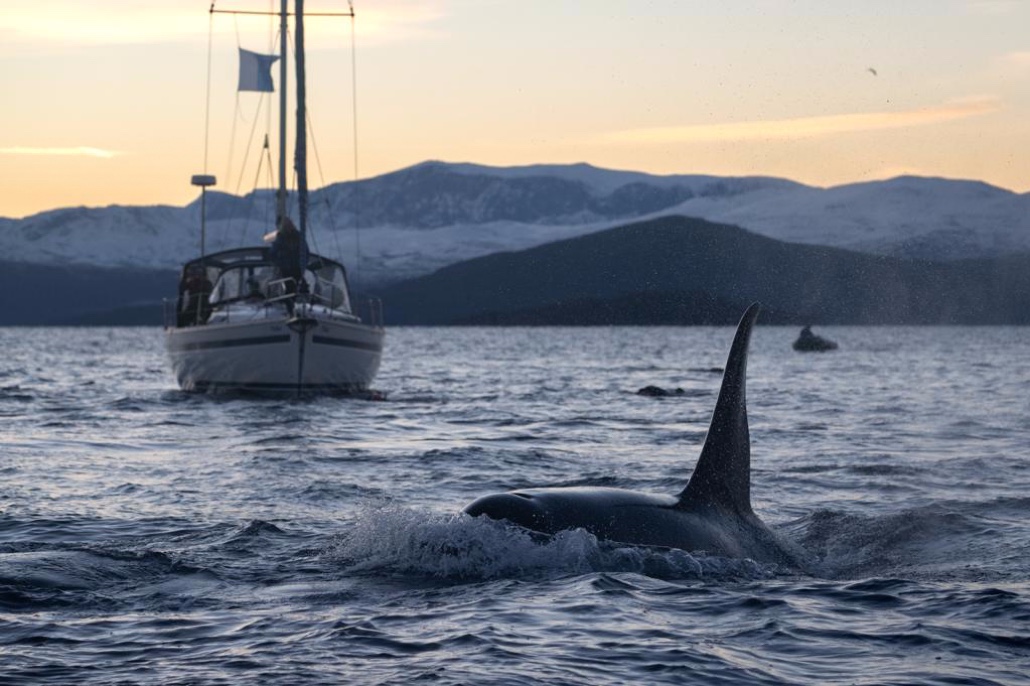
(659, 392)
(712, 514)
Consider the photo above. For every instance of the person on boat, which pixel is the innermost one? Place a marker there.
(194, 291)
(289, 253)
(254, 294)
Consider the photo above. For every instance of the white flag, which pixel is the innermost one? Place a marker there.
(256, 71)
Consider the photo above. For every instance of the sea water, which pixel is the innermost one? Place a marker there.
(151, 536)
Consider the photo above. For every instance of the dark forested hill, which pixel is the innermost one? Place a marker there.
(679, 270)
(41, 295)
(672, 270)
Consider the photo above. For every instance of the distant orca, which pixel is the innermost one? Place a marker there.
(659, 392)
(808, 342)
(712, 514)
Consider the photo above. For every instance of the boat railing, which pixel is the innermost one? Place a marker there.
(169, 312)
(375, 312)
(280, 290)
(285, 291)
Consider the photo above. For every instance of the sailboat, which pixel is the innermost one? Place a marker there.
(273, 318)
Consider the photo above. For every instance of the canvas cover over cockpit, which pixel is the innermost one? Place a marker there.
(247, 273)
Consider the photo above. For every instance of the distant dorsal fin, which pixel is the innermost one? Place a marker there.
(722, 476)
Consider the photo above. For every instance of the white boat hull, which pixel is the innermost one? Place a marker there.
(276, 355)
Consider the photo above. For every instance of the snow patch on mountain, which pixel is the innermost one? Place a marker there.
(906, 217)
(418, 219)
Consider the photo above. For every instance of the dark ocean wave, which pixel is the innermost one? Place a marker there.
(153, 536)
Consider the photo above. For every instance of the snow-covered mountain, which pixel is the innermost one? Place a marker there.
(418, 219)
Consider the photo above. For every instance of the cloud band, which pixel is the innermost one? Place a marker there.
(63, 152)
(807, 127)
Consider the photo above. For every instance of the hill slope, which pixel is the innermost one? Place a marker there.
(700, 267)
(41, 295)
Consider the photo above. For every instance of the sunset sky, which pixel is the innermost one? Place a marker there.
(104, 101)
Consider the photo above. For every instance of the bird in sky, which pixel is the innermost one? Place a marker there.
(871, 71)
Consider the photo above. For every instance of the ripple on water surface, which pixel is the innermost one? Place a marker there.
(152, 536)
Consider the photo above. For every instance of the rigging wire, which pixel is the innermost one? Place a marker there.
(338, 251)
(273, 33)
(243, 166)
(267, 156)
(248, 214)
(312, 234)
(207, 107)
(269, 217)
(354, 117)
(232, 137)
(262, 100)
(250, 205)
(321, 178)
(235, 112)
(333, 230)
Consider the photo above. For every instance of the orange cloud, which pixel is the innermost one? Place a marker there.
(807, 127)
(80, 151)
(1019, 59)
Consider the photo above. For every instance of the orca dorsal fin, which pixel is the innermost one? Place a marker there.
(722, 476)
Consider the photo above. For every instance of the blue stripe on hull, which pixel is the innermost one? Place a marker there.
(359, 345)
(236, 342)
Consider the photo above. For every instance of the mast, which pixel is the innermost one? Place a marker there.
(300, 159)
(280, 208)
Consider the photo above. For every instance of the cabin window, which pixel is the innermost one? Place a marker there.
(241, 283)
(331, 287)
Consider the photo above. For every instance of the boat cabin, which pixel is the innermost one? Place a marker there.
(243, 284)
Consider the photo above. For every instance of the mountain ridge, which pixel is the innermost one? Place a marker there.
(418, 219)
